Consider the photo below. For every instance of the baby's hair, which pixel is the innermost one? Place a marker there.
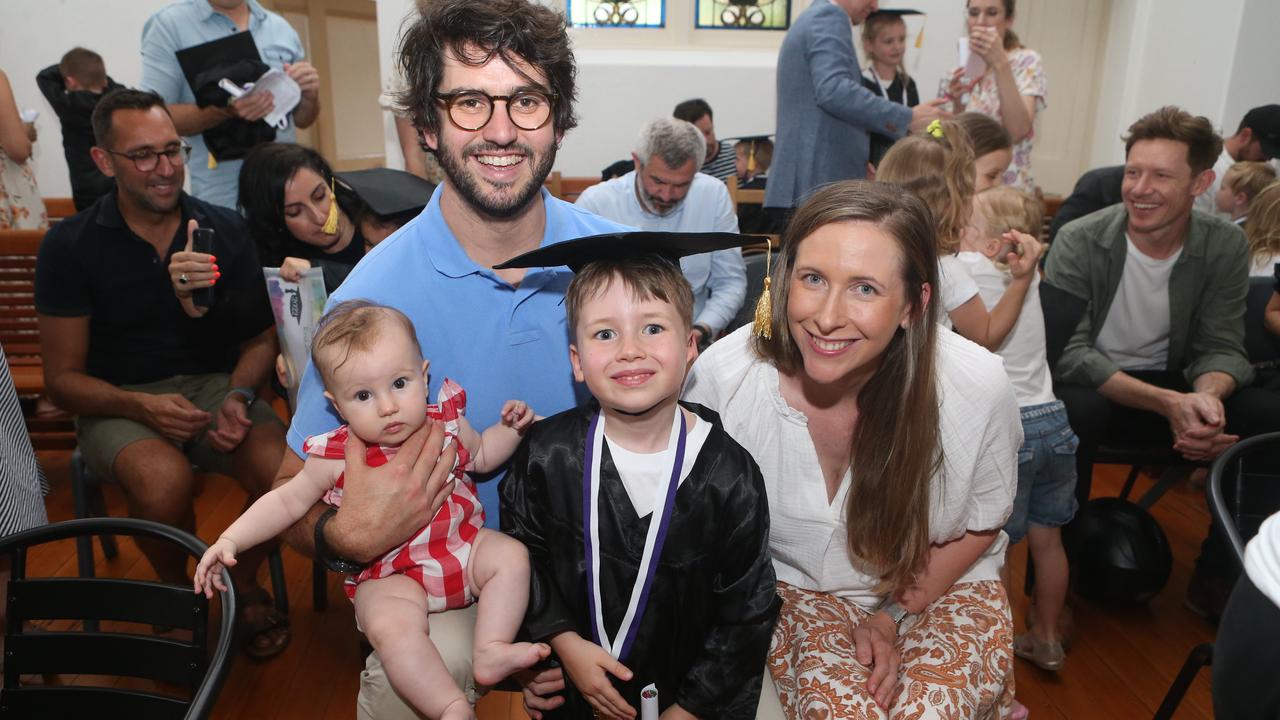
(645, 277)
(1249, 178)
(1004, 208)
(938, 167)
(1263, 226)
(353, 326)
(872, 27)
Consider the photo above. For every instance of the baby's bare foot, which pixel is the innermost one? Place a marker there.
(497, 660)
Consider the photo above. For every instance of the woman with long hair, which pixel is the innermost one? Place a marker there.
(889, 451)
(302, 215)
(1011, 88)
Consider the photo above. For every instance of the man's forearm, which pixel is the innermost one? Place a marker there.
(304, 116)
(1218, 384)
(1129, 391)
(257, 359)
(190, 119)
(81, 394)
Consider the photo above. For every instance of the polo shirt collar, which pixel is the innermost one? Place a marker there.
(451, 260)
(109, 211)
(256, 12)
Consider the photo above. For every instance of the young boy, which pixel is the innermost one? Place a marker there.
(73, 88)
(647, 526)
(1240, 184)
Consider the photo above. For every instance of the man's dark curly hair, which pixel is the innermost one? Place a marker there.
(474, 31)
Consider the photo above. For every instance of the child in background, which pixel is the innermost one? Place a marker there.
(884, 42)
(1241, 183)
(73, 88)
(376, 378)
(938, 166)
(752, 158)
(647, 525)
(1046, 461)
(1263, 230)
(992, 148)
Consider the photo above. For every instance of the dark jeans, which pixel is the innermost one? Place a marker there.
(1246, 655)
(1250, 411)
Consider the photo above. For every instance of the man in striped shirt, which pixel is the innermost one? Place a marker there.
(720, 162)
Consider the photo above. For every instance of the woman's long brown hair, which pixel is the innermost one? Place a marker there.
(896, 449)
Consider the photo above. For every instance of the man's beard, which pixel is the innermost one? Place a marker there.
(468, 184)
(144, 201)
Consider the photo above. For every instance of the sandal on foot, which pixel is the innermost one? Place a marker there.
(264, 630)
(1044, 655)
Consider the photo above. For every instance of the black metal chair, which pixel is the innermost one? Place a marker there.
(184, 663)
(1243, 510)
(86, 495)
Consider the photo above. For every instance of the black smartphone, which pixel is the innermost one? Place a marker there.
(202, 242)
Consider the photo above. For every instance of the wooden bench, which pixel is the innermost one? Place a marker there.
(568, 188)
(59, 208)
(20, 336)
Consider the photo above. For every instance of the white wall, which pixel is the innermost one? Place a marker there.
(35, 33)
(1216, 60)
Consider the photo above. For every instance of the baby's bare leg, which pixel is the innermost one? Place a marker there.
(392, 612)
(498, 572)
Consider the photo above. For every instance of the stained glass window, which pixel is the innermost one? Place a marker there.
(744, 14)
(617, 13)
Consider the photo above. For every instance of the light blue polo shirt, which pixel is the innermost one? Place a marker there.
(191, 22)
(497, 341)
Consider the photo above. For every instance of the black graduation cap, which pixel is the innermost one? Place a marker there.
(895, 13)
(389, 193)
(669, 246)
(236, 58)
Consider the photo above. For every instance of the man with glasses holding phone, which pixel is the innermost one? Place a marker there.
(490, 90)
(157, 382)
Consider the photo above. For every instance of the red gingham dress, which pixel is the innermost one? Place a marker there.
(437, 555)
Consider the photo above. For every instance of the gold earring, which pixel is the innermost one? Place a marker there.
(763, 325)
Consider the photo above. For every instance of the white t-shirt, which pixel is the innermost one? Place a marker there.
(955, 287)
(1205, 201)
(980, 429)
(1262, 558)
(1135, 334)
(1023, 350)
(642, 473)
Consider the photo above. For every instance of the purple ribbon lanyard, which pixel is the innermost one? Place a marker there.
(659, 523)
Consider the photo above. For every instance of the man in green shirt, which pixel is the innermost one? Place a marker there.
(1159, 354)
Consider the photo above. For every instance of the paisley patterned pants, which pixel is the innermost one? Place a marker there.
(957, 657)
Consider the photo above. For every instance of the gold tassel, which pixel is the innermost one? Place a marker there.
(331, 222)
(763, 325)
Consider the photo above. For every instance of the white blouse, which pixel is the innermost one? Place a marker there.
(981, 431)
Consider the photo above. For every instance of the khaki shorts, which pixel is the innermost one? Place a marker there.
(453, 633)
(102, 438)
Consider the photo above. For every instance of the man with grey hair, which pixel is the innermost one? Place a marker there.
(666, 192)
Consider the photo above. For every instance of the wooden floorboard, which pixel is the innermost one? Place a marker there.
(1121, 663)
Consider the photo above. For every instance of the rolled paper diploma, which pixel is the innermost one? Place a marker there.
(649, 702)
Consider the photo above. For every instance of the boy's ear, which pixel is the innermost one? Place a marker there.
(1241, 201)
(691, 348)
(329, 396)
(426, 376)
(576, 362)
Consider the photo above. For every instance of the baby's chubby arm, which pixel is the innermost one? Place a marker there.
(271, 515)
(493, 448)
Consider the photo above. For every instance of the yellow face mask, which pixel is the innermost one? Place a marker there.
(331, 222)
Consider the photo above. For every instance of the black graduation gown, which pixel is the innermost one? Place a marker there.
(704, 635)
(880, 144)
